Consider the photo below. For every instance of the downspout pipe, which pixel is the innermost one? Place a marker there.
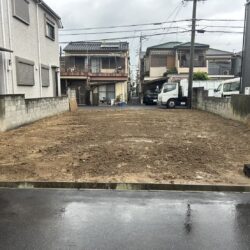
(39, 49)
(5, 77)
(11, 46)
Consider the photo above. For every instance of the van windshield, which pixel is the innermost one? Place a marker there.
(169, 87)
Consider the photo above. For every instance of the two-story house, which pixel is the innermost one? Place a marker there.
(172, 58)
(29, 49)
(220, 63)
(98, 71)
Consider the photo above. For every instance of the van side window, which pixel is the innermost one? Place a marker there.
(219, 88)
(235, 86)
(226, 87)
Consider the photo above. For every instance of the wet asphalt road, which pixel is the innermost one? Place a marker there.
(68, 219)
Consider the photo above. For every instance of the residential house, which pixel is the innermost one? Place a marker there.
(174, 58)
(220, 63)
(99, 71)
(29, 49)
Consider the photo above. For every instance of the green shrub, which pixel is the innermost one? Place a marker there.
(202, 76)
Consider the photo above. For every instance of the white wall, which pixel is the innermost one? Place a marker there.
(24, 41)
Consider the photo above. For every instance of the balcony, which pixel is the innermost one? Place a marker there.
(103, 73)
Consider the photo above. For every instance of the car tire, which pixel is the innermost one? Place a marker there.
(171, 104)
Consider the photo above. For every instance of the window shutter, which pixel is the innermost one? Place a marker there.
(45, 76)
(21, 10)
(25, 72)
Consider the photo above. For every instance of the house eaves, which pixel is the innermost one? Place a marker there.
(50, 11)
(188, 45)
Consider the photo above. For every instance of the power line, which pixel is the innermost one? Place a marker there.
(154, 23)
(222, 31)
(126, 26)
(158, 34)
(221, 26)
(220, 20)
(120, 31)
(129, 37)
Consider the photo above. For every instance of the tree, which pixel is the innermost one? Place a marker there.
(202, 76)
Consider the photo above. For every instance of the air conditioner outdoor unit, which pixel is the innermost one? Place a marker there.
(247, 91)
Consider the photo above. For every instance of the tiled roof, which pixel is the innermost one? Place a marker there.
(169, 45)
(217, 52)
(96, 46)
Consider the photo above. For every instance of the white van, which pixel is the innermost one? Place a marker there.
(228, 88)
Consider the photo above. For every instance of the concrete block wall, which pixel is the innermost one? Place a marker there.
(235, 108)
(16, 111)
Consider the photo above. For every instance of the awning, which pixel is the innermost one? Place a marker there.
(5, 50)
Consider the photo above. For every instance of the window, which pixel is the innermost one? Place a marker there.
(25, 72)
(235, 86)
(219, 88)
(169, 87)
(159, 61)
(109, 63)
(49, 28)
(21, 10)
(45, 76)
(226, 87)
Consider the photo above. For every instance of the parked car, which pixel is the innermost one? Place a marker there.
(228, 88)
(150, 97)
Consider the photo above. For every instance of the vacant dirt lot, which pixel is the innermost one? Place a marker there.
(127, 145)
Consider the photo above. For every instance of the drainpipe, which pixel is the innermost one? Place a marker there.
(11, 46)
(39, 48)
(5, 76)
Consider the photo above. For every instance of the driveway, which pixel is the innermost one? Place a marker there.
(69, 219)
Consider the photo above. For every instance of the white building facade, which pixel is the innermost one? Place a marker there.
(29, 49)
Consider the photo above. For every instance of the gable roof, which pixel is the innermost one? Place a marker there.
(50, 11)
(217, 52)
(96, 46)
(176, 45)
(188, 45)
(168, 45)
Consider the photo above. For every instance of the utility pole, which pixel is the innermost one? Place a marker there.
(192, 50)
(140, 69)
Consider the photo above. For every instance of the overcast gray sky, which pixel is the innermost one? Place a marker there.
(92, 13)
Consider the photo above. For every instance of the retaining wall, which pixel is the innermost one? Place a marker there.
(16, 111)
(236, 108)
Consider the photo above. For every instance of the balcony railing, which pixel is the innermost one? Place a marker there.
(91, 73)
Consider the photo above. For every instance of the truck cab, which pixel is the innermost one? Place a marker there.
(173, 94)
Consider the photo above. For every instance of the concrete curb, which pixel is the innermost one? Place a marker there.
(124, 186)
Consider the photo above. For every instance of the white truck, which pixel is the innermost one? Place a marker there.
(228, 88)
(173, 94)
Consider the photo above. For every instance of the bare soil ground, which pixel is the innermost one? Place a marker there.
(128, 145)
